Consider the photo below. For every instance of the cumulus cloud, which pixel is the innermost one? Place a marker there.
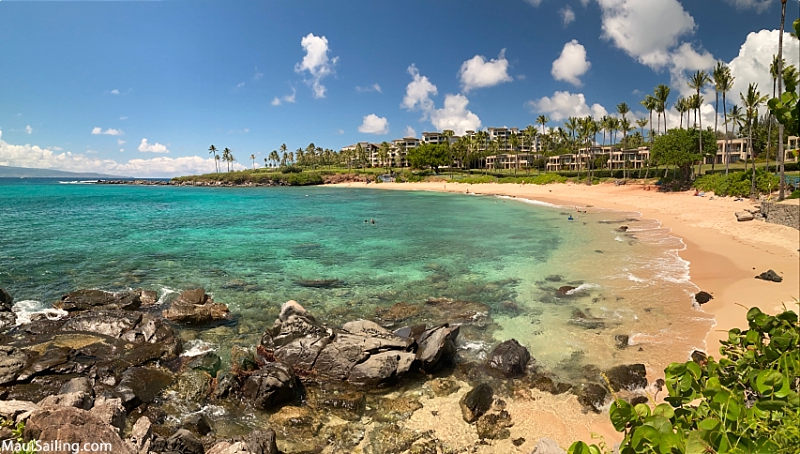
(373, 87)
(109, 132)
(564, 104)
(758, 5)
(120, 142)
(287, 98)
(34, 156)
(571, 64)
(123, 118)
(584, 2)
(534, 2)
(145, 147)
(567, 15)
(258, 75)
(115, 92)
(645, 29)
(91, 152)
(409, 132)
(316, 62)
(686, 59)
(374, 124)
(755, 57)
(455, 115)
(479, 73)
(28, 129)
(418, 91)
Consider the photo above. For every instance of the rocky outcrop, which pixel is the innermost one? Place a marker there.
(592, 396)
(72, 425)
(195, 307)
(742, 216)
(476, 402)
(270, 386)
(362, 352)
(7, 317)
(770, 276)
(703, 297)
(83, 300)
(627, 376)
(785, 213)
(509, 359)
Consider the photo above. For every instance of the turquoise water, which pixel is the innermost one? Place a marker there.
(249, 247)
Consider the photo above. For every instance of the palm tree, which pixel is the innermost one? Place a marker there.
(530, 134)
(226, 156)
(274, 157)
(697, 82)
(661, 94)
(265, 163)
(780, 89)
(253, 157)
(216, 161)
(649, 103)
(213, 150)
(773, 70)
(717, 76)
(383, 154)
(642, 122)
(514, 141)
(680, 107)
(725, 85)
(751, 102)
(542, 120)
(625, 127)
(448, 133)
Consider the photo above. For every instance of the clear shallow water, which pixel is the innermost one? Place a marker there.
(250, 246)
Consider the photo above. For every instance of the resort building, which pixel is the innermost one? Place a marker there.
(635, 158)
(510, 161)
(792, 147)
(614, 158)
(738, 150)
(436, 138)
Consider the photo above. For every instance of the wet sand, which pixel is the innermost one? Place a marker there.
(724, 256)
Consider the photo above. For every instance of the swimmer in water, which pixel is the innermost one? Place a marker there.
(569, 218)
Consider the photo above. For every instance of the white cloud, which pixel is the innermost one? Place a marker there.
(645, 29)
(120, 142)
(121, 150)
(373, 87)
(374, 124)
(123, 118)
(584, 2)
(341, 131)
(418, 92)
(28, 129)
(534, 2)
(410, 132)
(240, 85)
(686, 59)
(115, 92)
(316, 62)
(145, 147)
(110, 131)
(258, 75)
(91, 152)
(35, 156)
(567, 15)
(759, 5)
(455, 115)
(564, 104)
(571, 64)
(287, 98)
(478, 73)
(755, 57)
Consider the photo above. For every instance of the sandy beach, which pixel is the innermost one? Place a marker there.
(724, 257)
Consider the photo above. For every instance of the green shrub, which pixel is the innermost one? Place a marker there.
(291, 169)
(304, 179)
(795, 194)
(736, 184)
(478, 179)
(747, 402)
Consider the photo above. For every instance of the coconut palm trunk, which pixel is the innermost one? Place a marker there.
(780, 89)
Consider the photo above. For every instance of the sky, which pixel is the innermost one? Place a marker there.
(144, 88)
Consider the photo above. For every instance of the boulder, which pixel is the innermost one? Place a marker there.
(380, 368)
(73, 425)
(7, 317)
(78, 384)
(6, 301)
(142, 385)
(744, 216)
(184, 442)
(227, 385)
(476, 402)
(494, 426)
(195, 307)
(770, 276)
(627, 376)
(621, 341)
(12, 362)
(262, 442)
(699, 357)
(149, 298)
(592, 396)
(703, 297)
(83, 300)
(141, 435)
(270, 386)
(585, 320)
(16, 410)
(509, 359)
(436, 345)
(194, 385)
(197, 423)
(78, 399)
(110, 411)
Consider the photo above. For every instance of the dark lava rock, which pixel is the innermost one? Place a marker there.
(208, 362)
(83, 300)
(142, 385)
(564, 289)
(494, 426)
(262, 442)
(7, 317)
(195, 307)
(509, 358)
(197, 423)
(700, 357)
(6, 300)
(194, 385)
(770, 276)
(73, 425)
(184, 442)
(436, 346)
(549, 385)
(592, 396)
(226, 386)
(639, 400)
(627, 376)
(270, 386)
(476, 402)
(622, 228)
(12, 362)
(553, 278)
(621, 341)
(703, 297)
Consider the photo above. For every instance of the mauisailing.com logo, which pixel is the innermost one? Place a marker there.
(52, 446)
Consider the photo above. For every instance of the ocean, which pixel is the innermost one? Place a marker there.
(354, 253)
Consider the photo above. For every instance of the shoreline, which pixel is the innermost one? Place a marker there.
(724, 255)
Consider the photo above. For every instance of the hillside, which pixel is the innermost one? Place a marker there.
(24, 172)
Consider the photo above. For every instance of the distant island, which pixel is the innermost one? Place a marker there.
(25, 172)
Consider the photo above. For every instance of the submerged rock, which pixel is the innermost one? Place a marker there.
(195, 307)
(476, 402)
(621, 341)
(627, 376)
(320, 283)
(585, 320)
(494, 426)
(509, 359)
(592, 396)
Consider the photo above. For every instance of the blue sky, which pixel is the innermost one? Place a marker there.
(143, 88)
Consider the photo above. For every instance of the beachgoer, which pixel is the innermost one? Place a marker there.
(569, 218)
(372, 221)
